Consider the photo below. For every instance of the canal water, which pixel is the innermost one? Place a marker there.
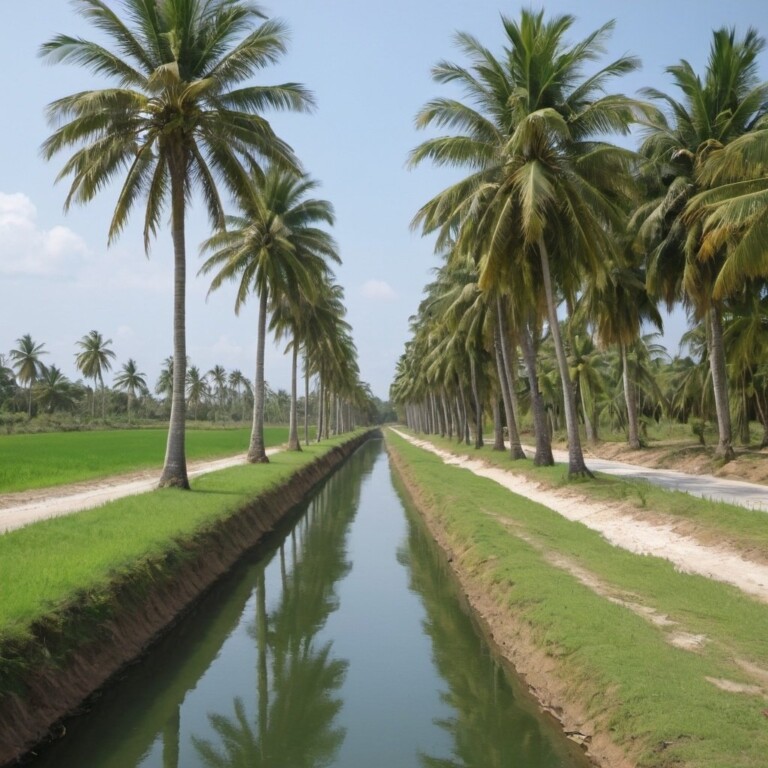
(342, 642)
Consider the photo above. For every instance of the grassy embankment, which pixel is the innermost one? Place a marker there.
(47, 566)
(713, 521)
(656, 700)
(48, 459)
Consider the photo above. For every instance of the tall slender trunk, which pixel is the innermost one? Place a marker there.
(630, 397)
(576, 465)
(724, 448)
(306, 399)
(257, 453)
(478, 407)
(293, 421)
(509, 356)
(320, 408)
(175, 465)
(103, 398)
(515, 447)
(498, 427)
(543, 456)
(589, 426)
(446, 415)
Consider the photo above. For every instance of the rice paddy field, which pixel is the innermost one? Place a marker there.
(57, 458)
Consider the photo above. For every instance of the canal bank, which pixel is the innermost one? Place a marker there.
(645, 665)
(340, 641)
(67, 653)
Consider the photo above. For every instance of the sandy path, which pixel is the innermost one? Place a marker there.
(635, 535)
(749, 495)
(20, 509)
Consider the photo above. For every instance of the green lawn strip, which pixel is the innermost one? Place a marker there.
(44, 566)
(645, 691)
(56, 458)
(741, 527)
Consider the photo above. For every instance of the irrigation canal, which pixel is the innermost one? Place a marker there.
(342, 642)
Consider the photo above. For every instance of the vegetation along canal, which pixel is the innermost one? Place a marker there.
(341, 643)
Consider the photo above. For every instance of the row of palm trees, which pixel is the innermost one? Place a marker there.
(179, 117)
(553, 220)
(218, 394)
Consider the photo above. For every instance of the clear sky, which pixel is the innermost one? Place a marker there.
(368, 65)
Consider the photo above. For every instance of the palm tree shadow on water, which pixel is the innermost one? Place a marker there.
(494, 721)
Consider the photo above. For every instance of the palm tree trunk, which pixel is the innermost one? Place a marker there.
(543, 456)
(446, 415)
(257, 453)
(478, 409)
(589, 426)
(320, 408)
(103, 398)
(293, 429)
(576, 465)
(498, 427)
(175, 465)
(515, 447)
(306, 399)
(724, 448)
(630, 397)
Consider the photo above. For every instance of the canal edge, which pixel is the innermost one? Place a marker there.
(147, 601)
(512, 639)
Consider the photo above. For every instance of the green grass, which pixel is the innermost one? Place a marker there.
(57, 458)
(44, 566)
(738, 526)
(651, 696)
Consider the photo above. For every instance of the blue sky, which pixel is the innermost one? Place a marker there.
(369, 68)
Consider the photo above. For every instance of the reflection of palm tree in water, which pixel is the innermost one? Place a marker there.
(296, 710)
(492, 731)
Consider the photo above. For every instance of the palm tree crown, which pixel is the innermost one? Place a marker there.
(178, 117)
(272, 249)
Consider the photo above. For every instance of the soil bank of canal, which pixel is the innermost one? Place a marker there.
(87, 643)
(512, 639)
(341, 641)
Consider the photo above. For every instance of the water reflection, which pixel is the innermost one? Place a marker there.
(494, 724)
(298, 675)
(341, 643)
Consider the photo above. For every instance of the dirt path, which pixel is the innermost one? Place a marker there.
(633, 534)
(20, 509)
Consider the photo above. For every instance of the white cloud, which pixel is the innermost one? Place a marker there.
(378, 290)
(27, 250)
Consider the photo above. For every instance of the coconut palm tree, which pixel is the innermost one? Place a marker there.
(131, 381)
(268, 250)
(726, 103)
(218, 378)
(542, 186)
(94, 358)
(26, 361)
(174, 118)
(53, 390)
(241, 387)
(197, 389)
(164, 385)
(7, 381)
